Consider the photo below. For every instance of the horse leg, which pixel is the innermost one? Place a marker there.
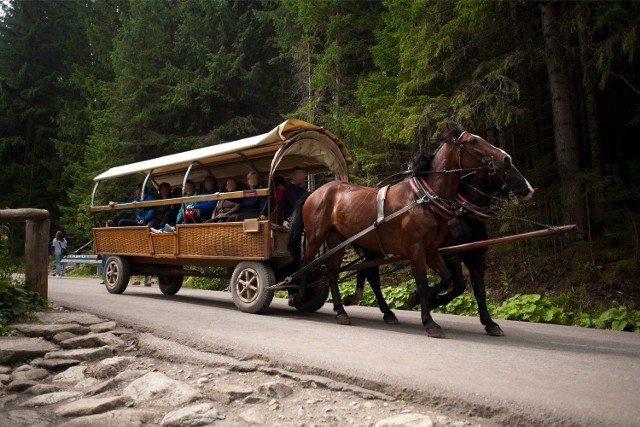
(477, 270)
(356, 297)
(373, 275)
(454, 266)
(333, 272)
(419, 269)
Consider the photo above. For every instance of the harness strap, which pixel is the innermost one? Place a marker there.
(422, 188)
(380, 198)
(473, 211)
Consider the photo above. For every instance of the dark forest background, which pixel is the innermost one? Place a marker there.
(86, 85)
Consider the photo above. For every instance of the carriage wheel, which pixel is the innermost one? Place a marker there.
(249, 284)
(170, 285)
(314, 299)
(117, 271)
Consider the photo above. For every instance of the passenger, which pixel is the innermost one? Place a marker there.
(226, 207)
(143, 216)
(292, 194)
(254, 206)
(164, 214)
(185, 215)
(203, 210)
(279, 184)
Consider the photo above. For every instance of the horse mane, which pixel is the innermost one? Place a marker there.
(421, 162)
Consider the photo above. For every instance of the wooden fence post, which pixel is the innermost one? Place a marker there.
(35, 247)
(37, 256)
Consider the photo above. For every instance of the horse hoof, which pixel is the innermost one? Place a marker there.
(343, 319)
(390, 319)
(350, 300)
(434, 331)
(494, 331)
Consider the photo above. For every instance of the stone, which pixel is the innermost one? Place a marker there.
(103, 327)
(406, 420)
(20, 385)
(69, 317)
(16, 349)
(90, 406)
(116, 418)
(226, 393)
(23, 417)
(101, 387)
(197, 415)
(252, 400)
(5, 378)
(253, 415)
(93, 340)
(55, 364)
(39, 389)
(4, 370)
(82, 354)
(72, 375)
(131, 374)
(32, 374)
(276, 389)
(161, 390)
(51, 398)
(58, 338)
(23, 368)
(85, 384)
(109, 368)
(48, 331)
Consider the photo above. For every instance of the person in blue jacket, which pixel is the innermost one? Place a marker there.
(204, 209)
(143, 216)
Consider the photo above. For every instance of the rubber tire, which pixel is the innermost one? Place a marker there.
(170, 285)
(316, 298)
(116, 274)
(255, 299)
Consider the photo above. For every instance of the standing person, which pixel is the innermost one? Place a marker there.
(143, 216)
(292, 193)
(59, 248)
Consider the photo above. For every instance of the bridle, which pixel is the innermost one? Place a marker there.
(488, 164)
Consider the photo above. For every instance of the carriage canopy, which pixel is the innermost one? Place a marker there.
(292, 143)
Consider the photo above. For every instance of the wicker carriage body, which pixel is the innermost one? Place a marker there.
(204, 243)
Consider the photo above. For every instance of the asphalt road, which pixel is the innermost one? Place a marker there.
(536, 373)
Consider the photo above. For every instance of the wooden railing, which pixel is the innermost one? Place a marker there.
(35, 247)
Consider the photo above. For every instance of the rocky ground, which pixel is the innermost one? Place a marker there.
(75, 369)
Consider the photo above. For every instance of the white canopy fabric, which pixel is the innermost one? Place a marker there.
(305, 145)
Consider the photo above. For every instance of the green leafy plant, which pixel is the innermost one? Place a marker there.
(464, 305)
(618, 319)
(531, 308)
(15, 299)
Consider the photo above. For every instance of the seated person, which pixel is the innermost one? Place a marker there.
(292, 193)
(185, 215)
(204, 209)
(254, 206)
(226, 207)
(143, 216)
(164, 214)
(275, 198)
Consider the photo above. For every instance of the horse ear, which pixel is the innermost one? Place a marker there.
(455, 128)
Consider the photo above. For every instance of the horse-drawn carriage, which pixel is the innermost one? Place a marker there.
(407, 221)
(253, 251)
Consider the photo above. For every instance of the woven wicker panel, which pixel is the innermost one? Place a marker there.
(225, 240)
(122, 240)
(164, 243)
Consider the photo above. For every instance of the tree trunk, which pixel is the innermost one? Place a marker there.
(567, 143)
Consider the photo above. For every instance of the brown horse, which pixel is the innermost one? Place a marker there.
(339, 210)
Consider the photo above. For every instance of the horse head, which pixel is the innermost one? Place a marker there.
(476, 154)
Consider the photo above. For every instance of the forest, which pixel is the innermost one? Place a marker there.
(89, 84)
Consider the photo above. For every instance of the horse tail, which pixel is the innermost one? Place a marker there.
(296, 228)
